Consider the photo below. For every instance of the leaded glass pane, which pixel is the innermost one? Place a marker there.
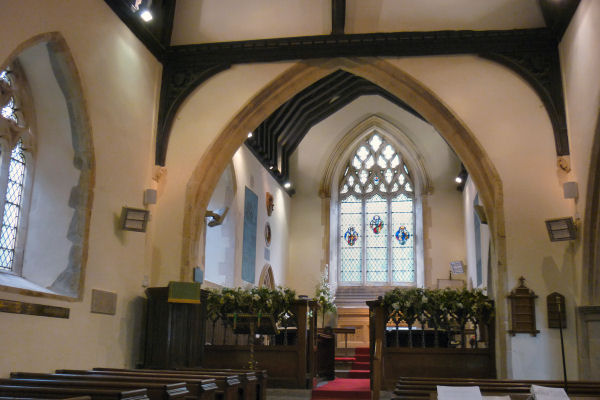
(376, 239)
(375, 142)
(8, 111)
(402, 248)
(351, 254)
(388, 152)
(362, 153)
(12, 207)
(376, 178)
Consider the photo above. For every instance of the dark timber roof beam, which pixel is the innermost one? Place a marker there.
(338, 17)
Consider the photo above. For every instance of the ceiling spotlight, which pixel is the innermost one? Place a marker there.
(146, 15)
(458, 179)
(271, 167)
(249, 135)
(287, 185)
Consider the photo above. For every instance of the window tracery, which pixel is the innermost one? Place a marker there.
(377, 216)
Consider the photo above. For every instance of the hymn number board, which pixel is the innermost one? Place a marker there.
(522, 307)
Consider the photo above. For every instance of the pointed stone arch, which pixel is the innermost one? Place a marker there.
(398, 83)
(267, 279)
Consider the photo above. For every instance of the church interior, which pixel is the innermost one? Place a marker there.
(380, 153)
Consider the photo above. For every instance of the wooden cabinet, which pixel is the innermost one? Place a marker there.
(174, 331)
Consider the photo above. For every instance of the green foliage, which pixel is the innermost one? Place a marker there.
(439, 308)
(263, 301)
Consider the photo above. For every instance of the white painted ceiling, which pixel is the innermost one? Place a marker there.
(203, 21)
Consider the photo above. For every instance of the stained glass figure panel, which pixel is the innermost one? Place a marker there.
(402, 211)
(376, 238)
(351, 254)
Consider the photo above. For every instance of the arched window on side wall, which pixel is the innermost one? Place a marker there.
(16, 168)
(376, 217)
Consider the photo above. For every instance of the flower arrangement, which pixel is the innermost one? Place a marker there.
(438, 308)
(256, 301)
(324, 297)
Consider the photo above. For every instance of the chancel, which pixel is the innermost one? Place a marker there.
(305, 198)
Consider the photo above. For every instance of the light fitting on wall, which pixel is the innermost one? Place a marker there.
(146, 16)
(134, 219)
(461, 178)
(287, 185)
(250, 135)
(216, 218)
(560, 229)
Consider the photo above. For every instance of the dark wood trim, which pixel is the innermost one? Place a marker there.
(20, 307)
(558, 15)
(532, 53)
(338, 17)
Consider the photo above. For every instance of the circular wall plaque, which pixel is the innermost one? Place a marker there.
(267, 234)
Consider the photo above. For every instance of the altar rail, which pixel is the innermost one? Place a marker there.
(416, 352)
(289, 356)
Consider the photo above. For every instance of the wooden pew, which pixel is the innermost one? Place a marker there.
(204, 390)
(39, 398)
(227, 386)
(248, 387)
(61, 393)
(261, 376)
(156, 391)
(421, 388)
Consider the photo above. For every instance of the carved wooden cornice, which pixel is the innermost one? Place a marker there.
(532, 53)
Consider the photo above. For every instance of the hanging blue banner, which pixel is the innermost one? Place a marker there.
(249, 242)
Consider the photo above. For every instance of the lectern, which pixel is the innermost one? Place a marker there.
(174, 331)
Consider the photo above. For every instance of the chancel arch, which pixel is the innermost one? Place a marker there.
(397, 83)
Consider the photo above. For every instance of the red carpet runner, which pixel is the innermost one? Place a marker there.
(356, 386)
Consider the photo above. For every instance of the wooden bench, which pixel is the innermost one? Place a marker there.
(205, 389)
(63, 392)
(156, 391)
(227, 386)
(261, 376)
(423, 387)
(248, 379)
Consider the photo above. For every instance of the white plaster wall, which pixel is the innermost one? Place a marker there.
(200, 119)
(53, 173)
(580, 63)
(309, 242)
(229, 20)
(469, 193)
(120, 84)
(511, 123)
(219, 258)
(431, 15)
(251, 174)
(223, 258)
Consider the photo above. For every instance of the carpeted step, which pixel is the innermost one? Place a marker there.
(341, 388)
(345, 359)
(361, 365)
(362, 351)
(359, 374)
(362, 358)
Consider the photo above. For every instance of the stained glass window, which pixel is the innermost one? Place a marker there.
(376, 216)
(12, 207)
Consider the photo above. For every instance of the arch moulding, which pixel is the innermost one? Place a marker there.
(397, 82)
